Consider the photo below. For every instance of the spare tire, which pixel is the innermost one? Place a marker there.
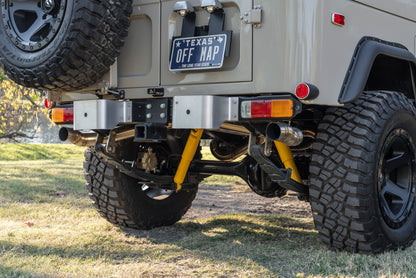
(61, 45)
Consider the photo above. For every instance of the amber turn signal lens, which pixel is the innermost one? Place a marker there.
(281, 108)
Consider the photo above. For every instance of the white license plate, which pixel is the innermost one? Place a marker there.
(198, 53)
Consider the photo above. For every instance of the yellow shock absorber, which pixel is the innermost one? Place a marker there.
(287, 159)
(187, 156)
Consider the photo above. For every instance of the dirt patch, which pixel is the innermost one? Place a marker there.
(223, 199)
(216, 200)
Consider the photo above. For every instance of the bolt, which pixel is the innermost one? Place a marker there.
(188, 111)
(148, 116)
(162, 115)
(149, 106)
(163, 106)
(210, 9)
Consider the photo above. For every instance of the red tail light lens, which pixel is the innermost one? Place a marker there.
(260, 109)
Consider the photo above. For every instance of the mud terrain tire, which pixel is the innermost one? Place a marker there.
(363, 174)
(121, 200)
(64, 47)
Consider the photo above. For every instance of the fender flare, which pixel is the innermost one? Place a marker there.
(367, 50)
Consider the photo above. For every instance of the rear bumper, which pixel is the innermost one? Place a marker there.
(180, 112)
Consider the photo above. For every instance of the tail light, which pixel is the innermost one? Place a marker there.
(62, 115)
(267, 108)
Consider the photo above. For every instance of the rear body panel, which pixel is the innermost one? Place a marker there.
(139, 62)
(296, 43)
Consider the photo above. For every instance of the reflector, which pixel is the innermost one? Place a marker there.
(302, 91)
(338, 19)
(48, 104)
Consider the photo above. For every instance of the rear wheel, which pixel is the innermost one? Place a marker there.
(363, 174)
(123, 201)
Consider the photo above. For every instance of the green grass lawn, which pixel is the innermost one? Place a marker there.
(18, 152)
(69, 239)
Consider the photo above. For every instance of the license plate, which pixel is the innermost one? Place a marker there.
(198, 53)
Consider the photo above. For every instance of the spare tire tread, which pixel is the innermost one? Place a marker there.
(95, 35)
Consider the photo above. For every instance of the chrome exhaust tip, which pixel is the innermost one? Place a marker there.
(284, 133)
(76, 137)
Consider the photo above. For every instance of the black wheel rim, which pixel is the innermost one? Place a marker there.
(32, 24)
(396, 186)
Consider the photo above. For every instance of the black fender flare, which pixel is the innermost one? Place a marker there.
(367, 50)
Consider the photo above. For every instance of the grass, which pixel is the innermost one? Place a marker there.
(18, 152)
(69, 239)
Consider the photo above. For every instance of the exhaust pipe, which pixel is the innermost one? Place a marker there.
(284, 133)
(89, 139)
(76, 137)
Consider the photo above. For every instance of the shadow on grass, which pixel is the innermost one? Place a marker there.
(266, 240)
(233, 240)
